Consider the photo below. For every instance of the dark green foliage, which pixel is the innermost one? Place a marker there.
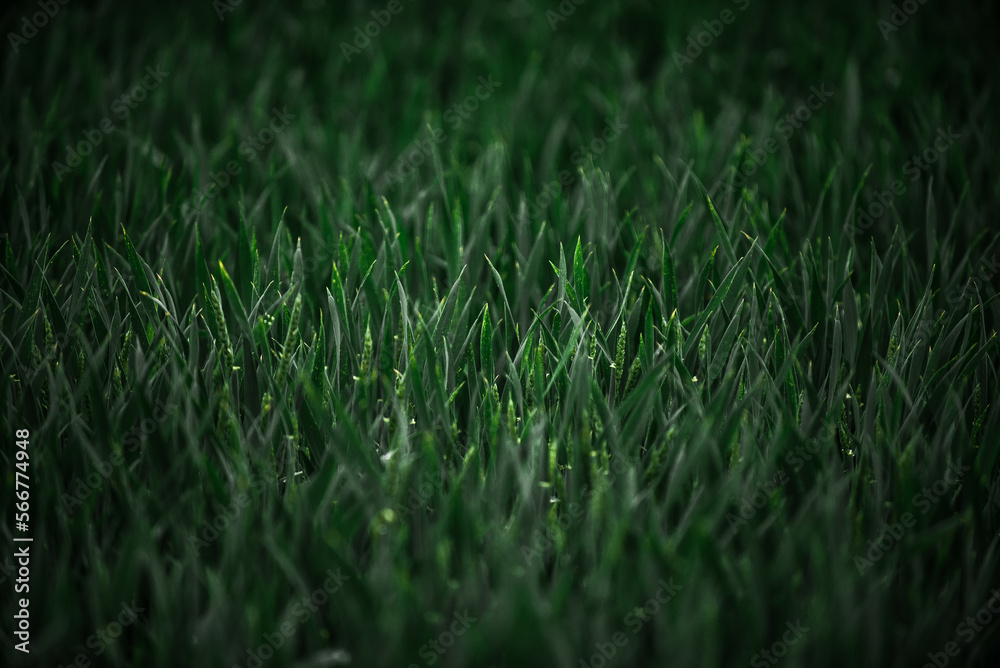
(466, 390)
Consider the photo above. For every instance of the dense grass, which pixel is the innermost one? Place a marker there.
(471, 401)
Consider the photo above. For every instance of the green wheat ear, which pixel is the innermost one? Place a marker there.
(633, 374)
(512, 420)
(290, 340)
(620, 352)
(366, 355)
(538, 376)
(225, 347)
